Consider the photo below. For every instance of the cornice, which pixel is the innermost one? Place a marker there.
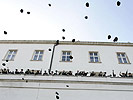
(65, 42)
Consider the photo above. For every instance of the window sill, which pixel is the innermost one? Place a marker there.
(95, 62)
(124, 63)
(36, 60)
(5, 60)
(65, 61)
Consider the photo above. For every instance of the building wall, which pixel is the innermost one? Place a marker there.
(24, 56)
(13, 88)
(80, 61)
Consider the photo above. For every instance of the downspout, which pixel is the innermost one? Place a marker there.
(51, 62)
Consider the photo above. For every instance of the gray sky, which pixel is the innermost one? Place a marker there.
(46, 23)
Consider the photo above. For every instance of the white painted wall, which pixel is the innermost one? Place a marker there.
(46, 94)
(20, 90)
(24, 56)
(80, 53)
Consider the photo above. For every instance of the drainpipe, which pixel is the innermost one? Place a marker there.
(57, 42)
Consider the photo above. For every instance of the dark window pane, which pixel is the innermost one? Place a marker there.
(124, 59)
(91, 59)
(41, 52)
(123, 55)
(118, 55)
(64, 53)
(96, 59)
(35, 57)
(68, 58)
(68, 53)
(10, 52)
(63, 58)
(91, 54)
(95, 54)
(12, 58)
(14, 52)
(120, 60)
(40, 57)
(8, 57)
(36, 52)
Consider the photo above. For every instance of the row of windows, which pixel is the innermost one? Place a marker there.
(66, 56)
(94, 57)
(37, 55)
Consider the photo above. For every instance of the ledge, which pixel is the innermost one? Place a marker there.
(65, 42)
(67, 79)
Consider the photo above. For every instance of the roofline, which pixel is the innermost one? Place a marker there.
(65, 42)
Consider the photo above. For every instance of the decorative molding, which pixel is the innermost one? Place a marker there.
(65, 42)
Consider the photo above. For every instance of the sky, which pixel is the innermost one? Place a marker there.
(46, 23)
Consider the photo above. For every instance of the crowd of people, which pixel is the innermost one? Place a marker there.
(64, 73)
(27, 72)
(126, 74)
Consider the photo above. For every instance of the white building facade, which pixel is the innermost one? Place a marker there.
(112, 58)
(87, 56)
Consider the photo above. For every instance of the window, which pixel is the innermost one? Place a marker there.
(122, 58)
(10, 55)
(94, 58)
(66, 55)
(37, 56)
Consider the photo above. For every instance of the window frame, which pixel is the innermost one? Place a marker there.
(7, 53)
(99, 60)
(127, 59)
(32, 59)
(66, 58)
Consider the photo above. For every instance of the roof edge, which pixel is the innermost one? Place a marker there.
(65, 42)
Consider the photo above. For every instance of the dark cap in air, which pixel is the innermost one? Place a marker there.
(57, 97)
(71, 57)
(87, 4)
(73, 40)
(115, 39)
(49, 49)
(49, 5)
(63, 30)
(5, 32)
(63, 37)
(86, 17)
(3, 64)
(57, 93)
(28, 12)
(118, 3)
(109, 36)
(21, 10)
